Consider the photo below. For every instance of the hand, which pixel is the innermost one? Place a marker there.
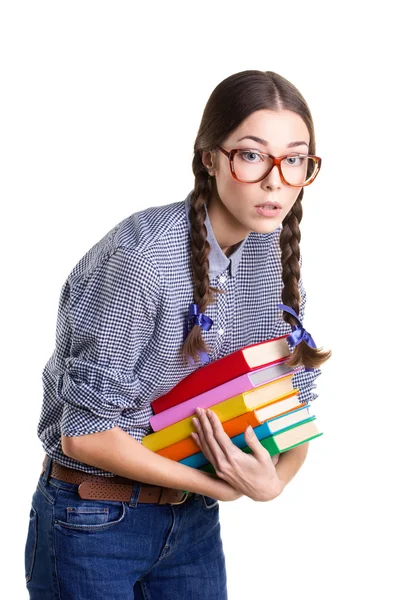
(254, 475)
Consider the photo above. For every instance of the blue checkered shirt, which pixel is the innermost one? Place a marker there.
(121, 321)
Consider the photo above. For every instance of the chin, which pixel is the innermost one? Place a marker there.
(269, 227)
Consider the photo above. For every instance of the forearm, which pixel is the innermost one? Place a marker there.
(116, 451)
(290, 462)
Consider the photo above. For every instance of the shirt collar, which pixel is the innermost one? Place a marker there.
(218, 260)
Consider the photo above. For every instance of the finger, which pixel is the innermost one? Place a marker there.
(259, 452)
(223, 439)
(209, 437)
(203, 429)
(275, 459)
(201, 441)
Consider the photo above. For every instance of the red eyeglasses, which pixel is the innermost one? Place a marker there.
(296, 170)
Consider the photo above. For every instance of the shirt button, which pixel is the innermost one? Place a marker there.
(220, 331)
(222, 279)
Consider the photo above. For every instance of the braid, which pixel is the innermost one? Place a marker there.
(203, 293)
(290, 238)
(232, 101)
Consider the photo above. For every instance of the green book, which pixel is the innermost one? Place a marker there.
(293, 436)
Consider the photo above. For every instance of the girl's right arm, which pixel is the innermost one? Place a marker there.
(116, 451)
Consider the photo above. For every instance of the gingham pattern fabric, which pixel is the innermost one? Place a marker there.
(121, 318)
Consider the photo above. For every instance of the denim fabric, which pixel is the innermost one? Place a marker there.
(92, 549)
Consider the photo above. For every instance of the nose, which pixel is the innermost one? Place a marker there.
(273, 179)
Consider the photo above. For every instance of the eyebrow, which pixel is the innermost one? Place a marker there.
(265, 143)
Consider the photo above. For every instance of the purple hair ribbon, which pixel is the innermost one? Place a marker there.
(202, 320)
(299, 334)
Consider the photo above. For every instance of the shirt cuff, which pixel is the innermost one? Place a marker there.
(78, 421)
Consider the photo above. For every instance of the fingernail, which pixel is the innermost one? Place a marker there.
(195, 422)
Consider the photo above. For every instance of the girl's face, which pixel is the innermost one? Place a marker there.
(232, 208)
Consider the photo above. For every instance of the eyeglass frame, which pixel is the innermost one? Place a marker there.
(276, 161)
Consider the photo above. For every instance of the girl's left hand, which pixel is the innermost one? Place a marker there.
(254, 475)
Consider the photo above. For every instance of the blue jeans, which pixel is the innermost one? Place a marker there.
(92, 549)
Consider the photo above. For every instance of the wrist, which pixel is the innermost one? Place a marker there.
(203, 483)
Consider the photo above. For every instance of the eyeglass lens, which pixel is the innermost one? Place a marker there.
(251, 166)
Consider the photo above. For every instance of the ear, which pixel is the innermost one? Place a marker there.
(208, 160)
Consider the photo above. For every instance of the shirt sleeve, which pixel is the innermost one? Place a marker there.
(302, 380)
(111, 315)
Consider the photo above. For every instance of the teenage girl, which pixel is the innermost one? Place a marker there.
(165, 291)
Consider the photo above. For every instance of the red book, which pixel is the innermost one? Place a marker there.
(224, 369)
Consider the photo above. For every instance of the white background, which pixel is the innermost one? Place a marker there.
(92, 96)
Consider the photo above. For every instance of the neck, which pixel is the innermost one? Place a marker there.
(228, 232)
(231, 249)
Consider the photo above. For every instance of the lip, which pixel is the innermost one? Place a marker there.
(272, 212)
(271, 204)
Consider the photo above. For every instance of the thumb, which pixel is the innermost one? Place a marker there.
(253, 442)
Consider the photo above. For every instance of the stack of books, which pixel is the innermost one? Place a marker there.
(252, 386)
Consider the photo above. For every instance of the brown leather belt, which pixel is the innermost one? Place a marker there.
(114, 488)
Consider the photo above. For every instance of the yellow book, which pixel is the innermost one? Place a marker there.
(226, 410)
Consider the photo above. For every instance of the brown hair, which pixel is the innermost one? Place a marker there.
(232, 101)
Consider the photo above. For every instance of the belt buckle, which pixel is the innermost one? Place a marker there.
(181, 501)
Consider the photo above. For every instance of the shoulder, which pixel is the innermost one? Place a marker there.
(133, 244)
(145, 229)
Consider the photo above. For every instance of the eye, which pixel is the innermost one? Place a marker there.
(251, 156)
(295, 161)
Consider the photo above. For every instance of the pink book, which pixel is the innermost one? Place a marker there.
(231, 388)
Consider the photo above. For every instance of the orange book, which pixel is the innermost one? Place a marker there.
(256, 417)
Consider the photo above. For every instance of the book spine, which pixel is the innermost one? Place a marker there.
(268, 443)
(188, 446)
(210, 398)
(178, 431)
(203, 379)
(197, 460)
(212, 375)
(217, 395)
(262, 432)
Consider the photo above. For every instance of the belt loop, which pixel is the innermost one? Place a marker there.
(47, 469)
(137, 486)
